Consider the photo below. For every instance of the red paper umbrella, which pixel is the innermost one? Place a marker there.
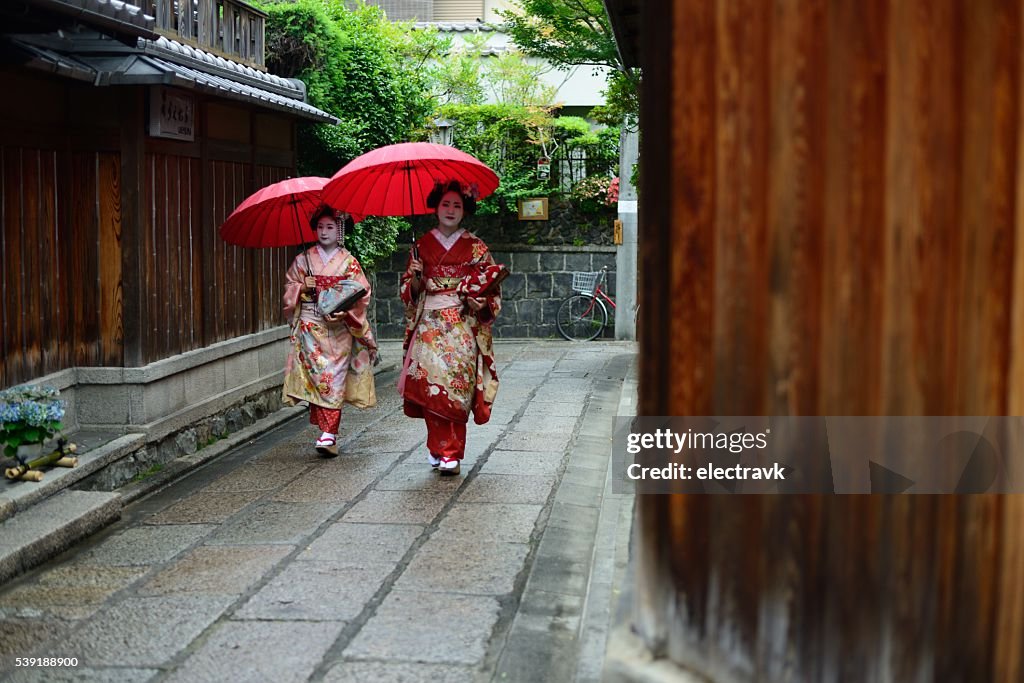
(276, 216)
(395, 180)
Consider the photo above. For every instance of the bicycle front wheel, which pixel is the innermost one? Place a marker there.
(581, 318)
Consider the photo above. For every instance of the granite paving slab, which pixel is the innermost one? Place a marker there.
(278, 651)
(316, 591)
(274, 522)
(208, 507)
(82, 674)
(508, 488)
(399, 507)
(141, 632)
(407, 625)
(147, 545)
(470, 567)
(228, 570)
(386, 672)
(359, 545)
(494, 522)
(528, 463)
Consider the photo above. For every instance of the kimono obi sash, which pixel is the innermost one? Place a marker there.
(444, 278)
(434, 302)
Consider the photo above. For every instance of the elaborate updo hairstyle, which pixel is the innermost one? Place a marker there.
(321, 211)
(440, 189)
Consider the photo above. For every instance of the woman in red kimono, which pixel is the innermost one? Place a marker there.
(449, 358)
(330, 361)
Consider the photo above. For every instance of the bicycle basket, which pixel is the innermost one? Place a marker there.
(584, 283)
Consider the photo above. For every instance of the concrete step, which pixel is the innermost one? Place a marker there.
(52, 526)
(96, 450)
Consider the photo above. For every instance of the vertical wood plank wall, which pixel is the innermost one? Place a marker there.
(61, 261)
(61, 255)
(832, 217)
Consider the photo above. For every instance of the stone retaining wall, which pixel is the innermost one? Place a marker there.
(541, 278)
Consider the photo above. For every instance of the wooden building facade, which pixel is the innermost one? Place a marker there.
(109, 251)
(831, 223)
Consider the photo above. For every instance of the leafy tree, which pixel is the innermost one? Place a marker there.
(458, 74)
(571, 33)
(366, 71)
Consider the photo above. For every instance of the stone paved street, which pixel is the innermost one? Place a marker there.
(274, 564)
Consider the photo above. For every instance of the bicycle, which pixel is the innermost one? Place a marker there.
(582, 316)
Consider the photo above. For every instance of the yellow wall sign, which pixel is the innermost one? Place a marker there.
(533, 209)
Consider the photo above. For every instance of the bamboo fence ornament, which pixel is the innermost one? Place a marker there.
(30, 471)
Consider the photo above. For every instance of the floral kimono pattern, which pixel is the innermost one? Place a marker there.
(328, 362)
(449, 368)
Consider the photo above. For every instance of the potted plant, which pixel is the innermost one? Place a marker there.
(29, 416)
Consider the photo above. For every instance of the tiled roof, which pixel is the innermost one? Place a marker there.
(103, 12)
(457, 26)
(187, 55)
(101, 61)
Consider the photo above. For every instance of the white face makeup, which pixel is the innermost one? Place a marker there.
(450, 212)
(327, 232)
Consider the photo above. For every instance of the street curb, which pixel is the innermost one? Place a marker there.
(179, 467)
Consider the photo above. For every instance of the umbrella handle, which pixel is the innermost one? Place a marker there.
(416, 255)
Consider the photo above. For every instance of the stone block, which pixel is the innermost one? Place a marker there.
(407, 672)
(103, 404)
(274, 523)
(144, 631)
(561, 285)
(234, 648)
(391, 331)
(538, 285)
(484, 568)
(218, 570)
(186, 442)
(545, 331)
(356, 545)
(512, 331)
(316, 591)
(146, 545)
(404, 626)
(387, 286)
(211, 507)
(204, 382)
(579, 261)
(163, 397)
(529, 311)
(492, 522)
(398, 507)
(272, 357)
(552, 261)
(525, 262)
(505, 488)
(514, 286)
(550, 310)
(601, 259)
(242, 367)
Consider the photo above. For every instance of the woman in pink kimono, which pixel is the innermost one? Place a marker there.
(331, 357)
(449, 366)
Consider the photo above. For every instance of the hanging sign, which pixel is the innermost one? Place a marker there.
(171, 114)
(543, 168)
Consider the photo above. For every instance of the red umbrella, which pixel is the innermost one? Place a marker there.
(395, 180)
(277, 215)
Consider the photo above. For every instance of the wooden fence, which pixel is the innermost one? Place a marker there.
(61, 262)
(63, 270)
(832, 223)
